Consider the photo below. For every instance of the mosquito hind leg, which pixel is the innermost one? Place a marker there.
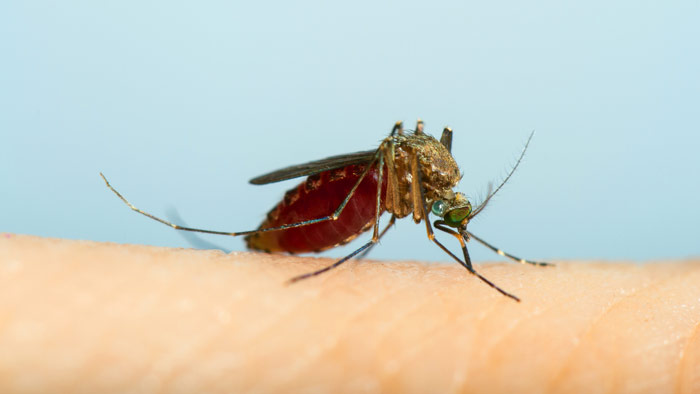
(192, 238)
(375, 235)
(232, 234)
(332, 217)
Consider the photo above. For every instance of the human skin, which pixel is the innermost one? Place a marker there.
(79, 316)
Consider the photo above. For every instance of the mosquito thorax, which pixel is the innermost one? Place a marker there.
(440, 171)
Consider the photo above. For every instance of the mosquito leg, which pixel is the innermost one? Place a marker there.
(467, 260)
(392, 221)
(446, 139)
(420, 210)
(417, 194)
(330, 267)
(398, 129)
(467, 263)
(205, 231)
(392, 198)
(192, 238)
(392, 201)
(333, 216)
(419, 126)
(378, 201)
(375, 236)
(510, 256)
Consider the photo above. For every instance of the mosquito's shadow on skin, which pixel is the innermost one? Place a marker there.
(193, 239)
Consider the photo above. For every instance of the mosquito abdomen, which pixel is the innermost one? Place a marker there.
(317, 197)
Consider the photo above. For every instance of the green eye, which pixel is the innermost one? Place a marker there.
(439, 208)
(455, 217)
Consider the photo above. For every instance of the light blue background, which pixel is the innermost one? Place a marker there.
(180, 104)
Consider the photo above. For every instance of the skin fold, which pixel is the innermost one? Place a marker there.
(79, 316)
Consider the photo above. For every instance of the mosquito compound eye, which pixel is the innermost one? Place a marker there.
(439, 207)
(455, 217)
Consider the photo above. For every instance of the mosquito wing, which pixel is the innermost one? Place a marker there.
(315, 167)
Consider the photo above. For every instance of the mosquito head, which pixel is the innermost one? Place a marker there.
(455, 210)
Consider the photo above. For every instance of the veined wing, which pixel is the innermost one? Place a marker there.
(315, 167)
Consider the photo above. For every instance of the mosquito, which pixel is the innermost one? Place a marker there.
(410, 173)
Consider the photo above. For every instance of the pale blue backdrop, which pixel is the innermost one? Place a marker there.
(181, 103)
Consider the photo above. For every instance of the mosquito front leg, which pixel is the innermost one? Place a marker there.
(468, 261)
(419, 203)
(423, 207)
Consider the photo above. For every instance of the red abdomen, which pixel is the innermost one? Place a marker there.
(319, 196)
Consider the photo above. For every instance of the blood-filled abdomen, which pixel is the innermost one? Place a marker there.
(319, 196)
